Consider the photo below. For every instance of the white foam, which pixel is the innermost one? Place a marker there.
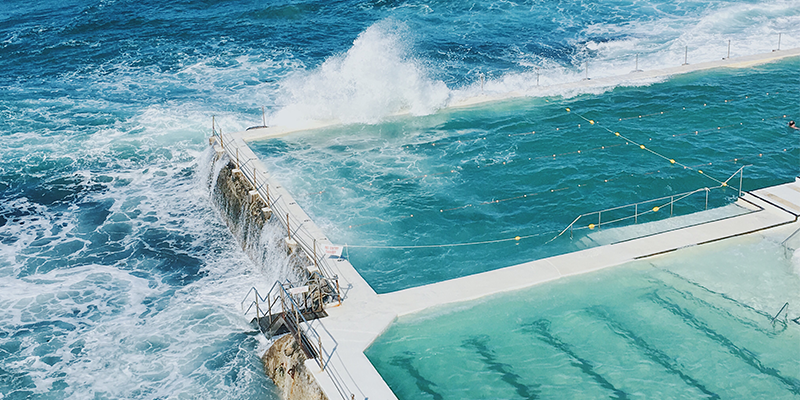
(377, 77)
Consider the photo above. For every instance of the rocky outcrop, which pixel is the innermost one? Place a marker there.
(284, 364)
(241, 211)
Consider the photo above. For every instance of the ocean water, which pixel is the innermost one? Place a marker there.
(119, 279)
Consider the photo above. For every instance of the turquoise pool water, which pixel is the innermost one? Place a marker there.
(425, 199)
(692, 324)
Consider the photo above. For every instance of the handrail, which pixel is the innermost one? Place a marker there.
(322, 263)
(293, 313)
(636, 214)
(779, 312)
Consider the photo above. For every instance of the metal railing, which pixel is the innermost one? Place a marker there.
(661, 203)
(684, 60)
(788, 249)
(283, 299)
(306, 241)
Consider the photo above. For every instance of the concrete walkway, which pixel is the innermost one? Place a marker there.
(351, 327)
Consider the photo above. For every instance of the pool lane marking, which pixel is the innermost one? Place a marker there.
(541, 328)
(423, 383)
(742, 320)
(479, 344)
(747, 356)
(650, 351)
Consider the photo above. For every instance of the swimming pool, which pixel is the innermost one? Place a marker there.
(425, 199)
(695, 323)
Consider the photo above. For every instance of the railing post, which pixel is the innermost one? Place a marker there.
(319, 352)
(599, 218)
(729, 50)
(258, 317)
(707, 198)
(671, 202)
(587, 71)
(741, 173)
(686, 56)
(288, 229)
(636, 213)
(338, 291)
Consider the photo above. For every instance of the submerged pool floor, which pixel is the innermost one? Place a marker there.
(691, 324)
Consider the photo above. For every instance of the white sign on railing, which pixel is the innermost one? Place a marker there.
(332, 250)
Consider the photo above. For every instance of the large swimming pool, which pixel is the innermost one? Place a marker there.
(425, 199)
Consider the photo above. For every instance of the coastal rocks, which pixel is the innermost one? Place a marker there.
(284, 364)
(241, 211)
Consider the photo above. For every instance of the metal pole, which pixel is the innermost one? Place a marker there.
(671, 201)
(729, 49)
(289, 234)
(263, 116)
(706, 198)
(686, 56)
(635, 213)
(587, 71)
(599, 218)
(779, 41)
(319, 341)
(214, 124)
(480, 75)
(741, 172)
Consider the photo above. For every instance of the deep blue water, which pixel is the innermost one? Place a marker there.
(118, 278)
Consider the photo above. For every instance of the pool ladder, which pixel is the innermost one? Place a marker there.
(785, 307)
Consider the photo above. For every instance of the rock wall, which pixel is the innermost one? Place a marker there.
(243, 214)
(240, 211)
(284, 364)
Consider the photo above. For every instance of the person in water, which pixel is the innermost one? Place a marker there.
(792, 125)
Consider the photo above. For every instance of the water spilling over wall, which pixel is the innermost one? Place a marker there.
(260, 237)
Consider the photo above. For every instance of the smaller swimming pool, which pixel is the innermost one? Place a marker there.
(695, 323)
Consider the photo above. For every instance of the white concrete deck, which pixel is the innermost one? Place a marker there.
(364, 315)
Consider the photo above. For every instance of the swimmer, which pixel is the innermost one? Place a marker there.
(793, 126)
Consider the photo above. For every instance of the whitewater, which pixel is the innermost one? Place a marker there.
(118, 277)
